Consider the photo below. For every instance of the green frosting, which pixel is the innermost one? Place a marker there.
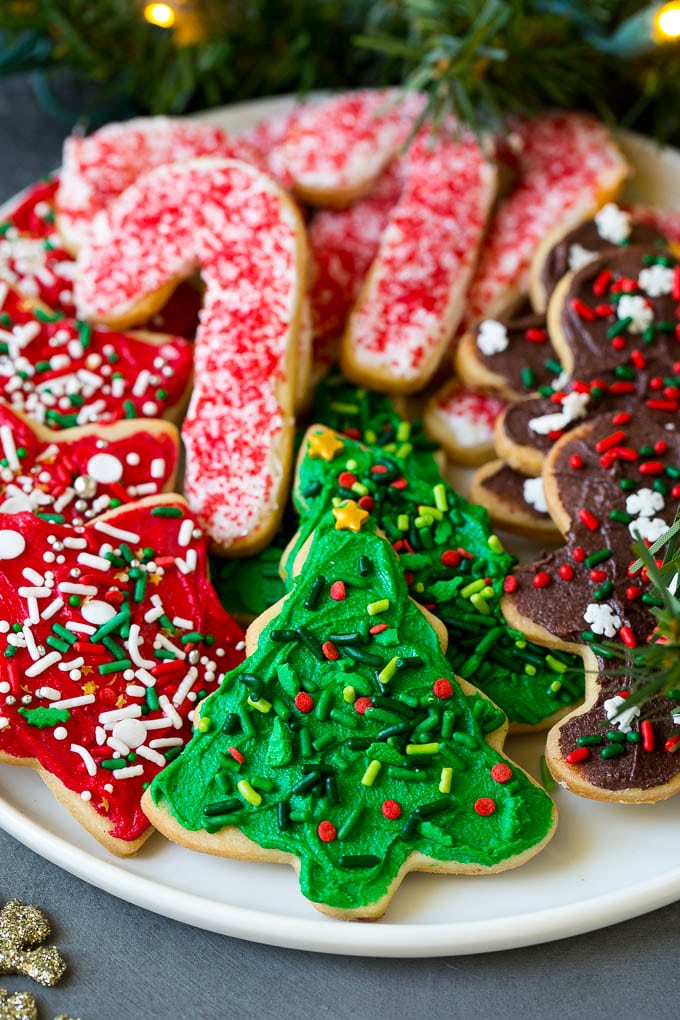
(285, 752)
(248, 586)
(527, 681)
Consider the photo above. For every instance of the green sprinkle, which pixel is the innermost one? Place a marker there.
(222, 807)
(167, 511)
(446, 779)
(371, 773)
(431, 748)
(380, 606)
(248, 793)
(114, 667)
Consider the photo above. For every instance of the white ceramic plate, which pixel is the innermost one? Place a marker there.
(606, 863)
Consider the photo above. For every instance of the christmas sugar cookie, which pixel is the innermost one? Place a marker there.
(83, 472)
(97, 168)
(246, 235)
(563, 251)
(510, 358)
(463, 421)
(65, 372)
(612, 324)
(608, 483)
(453, 564)
(111, 634)
(567, 166)
(412, 300)
(515, 502)
(345, 745)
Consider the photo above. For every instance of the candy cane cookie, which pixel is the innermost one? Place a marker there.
(80, 473)
(111, 634)
(334, 151)
(413, 298)
(97, 168)
(64, 372)
(568, 166)
(245, 234)
(463, 421)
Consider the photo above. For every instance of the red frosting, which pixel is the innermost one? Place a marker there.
(115, 630)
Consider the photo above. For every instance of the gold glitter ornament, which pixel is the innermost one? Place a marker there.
(20, 1006)
(22, 929)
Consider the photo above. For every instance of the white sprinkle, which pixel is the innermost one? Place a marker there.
(69, 588)
(50, 693)
(157, 467)
(31, 645)
(33, 611)
(3, 722)
(162, 642)
(34, 593)
(8, 447)
(96, 562)
(112, 717)
(84, 699)
(119, 533)
(157, 724)
(33, 576)
(189, 564)
(75, 543)
(169, 711)
(90, 764)
(185, 531)
(128, 773)
(153, 614)
(80, 628)
(134, 642)
(152, 756)
(118, 745)
(147, 678)
(53, 608)
(166, 742)
(42, 664)
(179, 621)
(135, 691)
(185, 686)
(147, 489)
(72, 664)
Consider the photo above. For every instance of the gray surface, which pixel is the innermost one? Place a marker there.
(125, 962)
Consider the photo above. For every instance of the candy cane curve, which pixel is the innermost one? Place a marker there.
(244, 233)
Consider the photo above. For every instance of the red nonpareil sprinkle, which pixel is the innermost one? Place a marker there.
(656, 383)
(558, 396)
(597, 575)
(236, 755)
(536, 336)
(671, 392)
(555, 434)
(361, 704)
(675, 491)
(541, 579)
(338, 592)
(647, 734)
(391, 809)
(399, 483)
(638, 359)
(442, 688)
(613, 439)
(346, 479)
(628, 637)
(599, 384)
(378, 469)
(485, 806)
(501, 773)
(579, 554)
(575, 461)
(618, 343)
(330, 651)
(602, 281)
(304, 702)
(326, 831)
(622, 418)
(633, 593)
(604, 311)
(623, 694)
(510, 584)
(578, 755)
(367, 503)
(578, 386)
(652, 467)
(566, 572)
(450, 558)
(589, 519)
(582, 309)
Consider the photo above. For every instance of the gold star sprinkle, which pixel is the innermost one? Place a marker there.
(22, 929)
(325, 445)
(349, 516)
(90, 687)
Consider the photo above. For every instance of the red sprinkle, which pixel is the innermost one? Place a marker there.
(485, 806)
(582, 309)
(346, 479)
(590, 520)
(566, 572)
(367, 503)
(361, 704)
(675, 292)
(675, 491)
(578, 755)
(602, 281)
(536, 336)
(501, 773)
(398, 483)
(555, 434)
(579, 554)
(621, 387)
(377, 628)
(236, 755)
(652, 467)
(510, 584)
(662, 405)
(450, 558)
(338, 592)
(673, 743)
(628, 637)
(618, 343)
(622, 418)
(597, 575)
(613, 439)
(647, 734)
(391, 809)
(326, 831)
(575, 461)
(541, 579)
(330, 651)
(442, 688)
(304, 702)
(638, 359)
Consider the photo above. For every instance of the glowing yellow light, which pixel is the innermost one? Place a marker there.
(160, 14)
(668, 21)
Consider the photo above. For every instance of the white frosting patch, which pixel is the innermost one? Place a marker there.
(644, 503)
(635, 308)
(16, 504)
(492, 337)
(602, 619)
(534, 494)
(580, 256)
(12, 544)
(656, 281)
(648, 528)
(98, 612)
(104, 467)
(613, 224)
(572, 408)
(622, 719)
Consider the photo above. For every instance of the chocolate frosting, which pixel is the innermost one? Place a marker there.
(521, 353)
(507, 486)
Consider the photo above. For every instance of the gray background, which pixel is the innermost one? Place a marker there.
(127, 963)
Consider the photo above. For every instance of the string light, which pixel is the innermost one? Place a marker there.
(160, 14)
(667, 22)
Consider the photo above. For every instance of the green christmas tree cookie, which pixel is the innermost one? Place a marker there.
(453, 564)
(346, 746)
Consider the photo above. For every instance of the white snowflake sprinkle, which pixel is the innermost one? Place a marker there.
(623, 719)
(580, 256)
(534, 494)
(613, 223)
(635, 308)
(492, 337)
(648, 528)
(644, 503)
(602, 619)
(656, 281)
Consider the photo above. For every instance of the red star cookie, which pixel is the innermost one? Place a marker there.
(110, 635)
